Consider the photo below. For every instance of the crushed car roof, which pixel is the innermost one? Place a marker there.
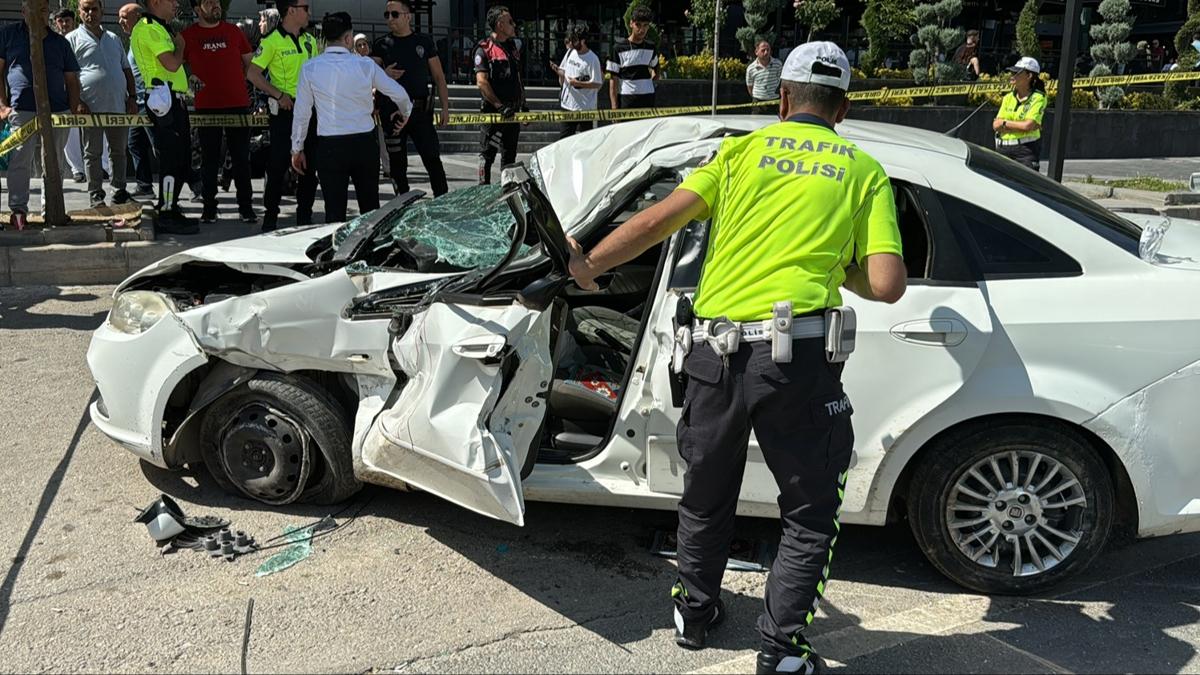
(625, 154)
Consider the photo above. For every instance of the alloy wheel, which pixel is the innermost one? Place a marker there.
(1017, 510)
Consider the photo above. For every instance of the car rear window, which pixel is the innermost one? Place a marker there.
(1052, 194)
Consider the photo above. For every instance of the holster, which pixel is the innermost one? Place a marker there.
(841, 327)
(682, 323)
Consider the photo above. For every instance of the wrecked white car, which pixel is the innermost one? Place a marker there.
(1033, 391)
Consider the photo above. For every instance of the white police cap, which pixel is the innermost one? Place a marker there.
(819, 63)
(1025, 63)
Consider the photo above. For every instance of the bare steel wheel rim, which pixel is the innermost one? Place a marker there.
(265, 453)
(1019, 511)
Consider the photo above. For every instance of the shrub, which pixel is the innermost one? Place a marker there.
(1027, 38)
(757, 14)
(815, 15)
(699, 67)
(936, 38)
(1111, 49)
(1177, 91)
(894, 74)
(701, 16)
(1143, 100)
(884, 21)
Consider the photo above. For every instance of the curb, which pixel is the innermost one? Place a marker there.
(1089, 190)
(77, 264)
(88, 260)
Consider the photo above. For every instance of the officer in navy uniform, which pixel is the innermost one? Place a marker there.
(797, 212)
(498, 66)
(412, 60)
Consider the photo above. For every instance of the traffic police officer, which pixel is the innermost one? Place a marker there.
(282, 52)
(498, 65)
(158, 52)
(412, 59)
(796, 212)
(1018, 124)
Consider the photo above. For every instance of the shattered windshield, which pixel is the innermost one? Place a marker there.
(463, 229)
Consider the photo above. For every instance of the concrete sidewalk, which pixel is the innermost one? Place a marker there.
(104, 251)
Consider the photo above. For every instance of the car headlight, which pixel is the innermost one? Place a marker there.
(136, 311)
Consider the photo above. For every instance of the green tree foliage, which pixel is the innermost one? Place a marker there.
(758, 12)
(885, 21)
(1027, 38)
(701, 16)
(652, 34)
(1183, 39)
(1177, 91)
(936, 38)
(816, 14)
(1111, 48)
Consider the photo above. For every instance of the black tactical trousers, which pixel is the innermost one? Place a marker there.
(1028, 154)
(801, 420)
(420, 128)
(278, 163)
(172, 138)
(493, 138)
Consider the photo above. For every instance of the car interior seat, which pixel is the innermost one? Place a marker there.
(592, 358)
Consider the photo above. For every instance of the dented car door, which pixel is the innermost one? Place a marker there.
(474, 368)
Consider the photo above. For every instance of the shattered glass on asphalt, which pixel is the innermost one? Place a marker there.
(468, 228)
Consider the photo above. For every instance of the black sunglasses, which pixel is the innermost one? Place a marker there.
(394, 14)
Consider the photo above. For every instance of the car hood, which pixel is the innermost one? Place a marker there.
(268, 253)
(1168, 242)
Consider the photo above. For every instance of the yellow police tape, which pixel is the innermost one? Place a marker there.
(472, 119)
(1003, 87)
(18, 136)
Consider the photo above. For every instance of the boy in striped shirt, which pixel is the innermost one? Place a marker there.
(634, 65)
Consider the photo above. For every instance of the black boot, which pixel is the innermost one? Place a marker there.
(693, 634)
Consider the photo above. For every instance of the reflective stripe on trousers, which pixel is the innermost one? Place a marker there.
(801, 419)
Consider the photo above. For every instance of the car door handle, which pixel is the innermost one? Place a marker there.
(482, 347)
(932, 332)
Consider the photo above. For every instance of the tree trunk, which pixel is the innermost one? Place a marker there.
(52, 195)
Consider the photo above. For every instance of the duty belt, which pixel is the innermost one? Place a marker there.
(760, 331)
(1005, 142)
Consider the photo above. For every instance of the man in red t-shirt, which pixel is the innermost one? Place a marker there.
(218, 53)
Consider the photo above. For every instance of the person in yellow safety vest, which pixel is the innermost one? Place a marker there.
(283, 52)
(798, 212)
(1018, 125)
(158, 51)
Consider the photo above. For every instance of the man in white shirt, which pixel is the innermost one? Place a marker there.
(580, 76)
(339, 84)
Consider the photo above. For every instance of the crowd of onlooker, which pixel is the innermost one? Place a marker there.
(150, 65)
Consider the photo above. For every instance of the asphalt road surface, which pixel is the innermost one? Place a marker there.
(414, 584)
